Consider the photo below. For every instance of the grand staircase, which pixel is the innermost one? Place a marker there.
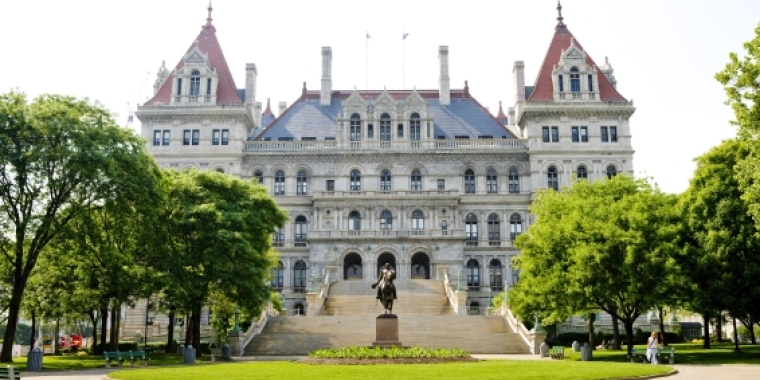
(348, 319)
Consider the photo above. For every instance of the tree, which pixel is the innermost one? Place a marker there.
(60, 157)
(608, 246)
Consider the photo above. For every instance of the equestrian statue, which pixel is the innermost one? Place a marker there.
(386, 291)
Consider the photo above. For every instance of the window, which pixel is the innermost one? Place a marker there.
(308, 138)
(354, 221)
(299, 277)
(385, 180)
(278, 276)
(278, 238)
(356, 180)
(514, 181)
(418, 220)
(195, 83)
(561, 83)
(416, 180)
(584, 134)
(552, 179)
(575, 80)
(279, 183)
(414, 127)
(356, 127)
(574, 134)
(581, 173)
(208, 86)
(302, 183)
(196, 137)
(370, 132)
(400, 130)
(386, 220)
(441, 184)
(444, 227)
(555, 134)
(215, 136)
(259, 176)
(186, 137)
(515, 226)
(300, 233)
(157, 138)
(179, 86)
(605, 136)
(494, 236)
(471, 230)
(545, 134)
(495, 275)
(611, 171)
(330, 185)
(167, 136)
(469, 182)
(515, 276)
(492, 182)
(225, 136)
(385, 127)
(613, 134)
(285, 138)
(473, 274)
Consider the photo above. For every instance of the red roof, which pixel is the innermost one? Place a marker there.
(268, 111)
(544, 88)
(226, 91)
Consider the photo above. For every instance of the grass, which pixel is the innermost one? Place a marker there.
(490, 369)
(62, 363)
(686, 353)
(358, 352)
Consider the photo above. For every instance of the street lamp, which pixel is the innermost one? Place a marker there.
(313, 282)
(236, 328)
(489, 296)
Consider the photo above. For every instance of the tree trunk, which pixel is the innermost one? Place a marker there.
(113, 344)
(56, 337)
(197, 330)
(12, 322)
(118, 325)
(719, 328)
(751, 328)
(706, 326)
(616, 332)
(662, 327)
(170, 332)
(103, 326)
(591, 338)
(34, 331)
(94, 319)
(628, 324)
(736, 337)
(189, 329)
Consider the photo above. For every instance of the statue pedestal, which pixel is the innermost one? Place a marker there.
(387, 331)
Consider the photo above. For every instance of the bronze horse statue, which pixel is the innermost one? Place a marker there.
(386, 291)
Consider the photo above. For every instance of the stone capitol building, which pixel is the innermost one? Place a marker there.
(427, 180)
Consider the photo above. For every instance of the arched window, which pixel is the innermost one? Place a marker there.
(300, 233)
(356, 180)
(195, 83)
(515, 226)
(219, 170)
(473, 274)
(494, 235)
(354, 221)
(581, 173)
(495, 275)
(278, 277)
(469, 182)
(302, 183)
(492, 182)
(278, 238)
(514, 181)
(418, 220)
(259, 177)
(298, 309)
(552, 178)
(356, 127)
(385, 180)
(575, 80)
(473, 308)
(471, 230)
(444, 227)
(299, 277)
(416, 180)
(385, 127)
(386, 221)
(611, 171)
(279, 183)
(414, 127)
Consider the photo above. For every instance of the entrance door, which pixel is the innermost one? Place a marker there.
(352, 266)
(420, 266)
(386, 257)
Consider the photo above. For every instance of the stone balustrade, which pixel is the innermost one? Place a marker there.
(480, 144)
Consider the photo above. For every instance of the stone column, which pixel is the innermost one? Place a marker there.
(235, 339)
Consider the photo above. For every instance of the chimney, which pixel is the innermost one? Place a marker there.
(250, 91)
(608, 71)
(258, 112)
(283, 107)
(326, 97)
(518, 70)
(444, 82)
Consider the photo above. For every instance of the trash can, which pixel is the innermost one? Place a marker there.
(544, 350)
(226, 351)
(34, 360)
(189, 355)
(576, 346)
(181, 349)
(586, 353)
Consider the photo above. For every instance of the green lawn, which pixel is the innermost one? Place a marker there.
(490, 369)
(685, 354)
(59, 363)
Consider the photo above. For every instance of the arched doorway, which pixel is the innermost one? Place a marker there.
(420, 266)
(299, 309)
(352, 266)
(473, 308)
(386, 257)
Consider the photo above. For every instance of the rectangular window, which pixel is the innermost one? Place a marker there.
(441, 184)
(561, 83)
(545, 133)
(167, 136)
(179, 86)
(370, 132)
(330, 185)
(590, 83)
(196, 136)
(284, 139)
(584, 134)
(329, 138)
(208, 86)
(400, 130)
(225, 137)
(574, 131)
(613, 134)
(186, 137)
(555, 134)
(308, 139)
(215, 134)
(605, 136)
(157, 138)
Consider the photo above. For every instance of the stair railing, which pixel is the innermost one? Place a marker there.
(256, 328)
(451, 292)
(532, 338)
(317, 299)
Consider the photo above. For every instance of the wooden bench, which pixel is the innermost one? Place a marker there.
(557, 352)
(10, 372)
(119, 356)
(215, 353)
(669, 353)
(638, 353)
(138, 355)
(663, 353)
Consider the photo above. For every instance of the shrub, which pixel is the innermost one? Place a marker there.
(388, 353)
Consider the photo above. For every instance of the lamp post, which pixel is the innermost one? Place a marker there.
(489, 296)
(506, 297)
(236, 328)
(313, 282)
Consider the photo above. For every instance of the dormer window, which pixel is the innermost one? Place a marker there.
(561, 81)
(575, 80)
(356, 127)
(414, 127)
(385, 127)
(179, 86)
(195, 83)
(590, 83)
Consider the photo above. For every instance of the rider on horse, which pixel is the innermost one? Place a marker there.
(386, 277)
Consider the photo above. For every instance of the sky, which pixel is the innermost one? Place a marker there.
(665, 53)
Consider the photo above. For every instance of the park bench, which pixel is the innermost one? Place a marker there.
(557, 352)
(138, 355)
(10, 372)
(119, 356)
(215, 353)
(664, 353)
(638, 353)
